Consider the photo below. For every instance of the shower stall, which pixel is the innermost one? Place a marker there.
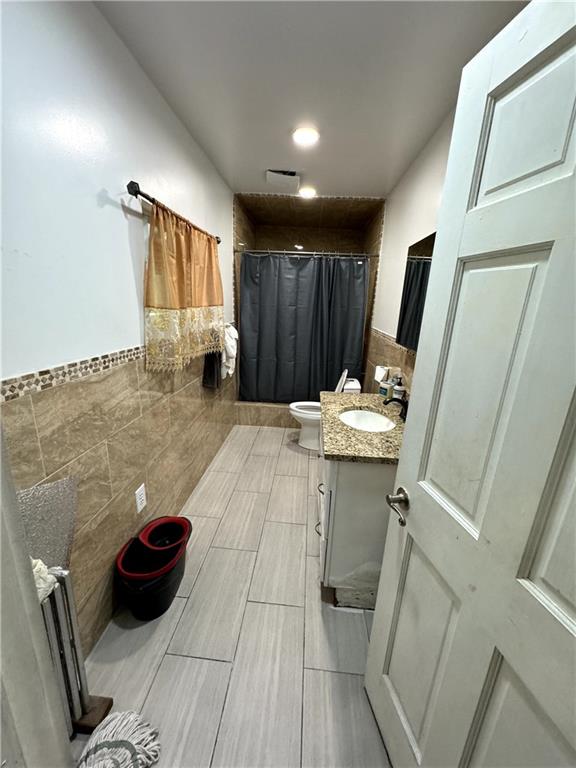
(302, 318)
(304, 277)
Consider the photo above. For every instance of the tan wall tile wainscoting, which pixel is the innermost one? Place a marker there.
(113, 431)
(383, 350)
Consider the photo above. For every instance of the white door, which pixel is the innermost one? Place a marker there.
(472, 658)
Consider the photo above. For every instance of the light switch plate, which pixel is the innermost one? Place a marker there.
(140, 494)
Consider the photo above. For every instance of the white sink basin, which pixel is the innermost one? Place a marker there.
(367, 421)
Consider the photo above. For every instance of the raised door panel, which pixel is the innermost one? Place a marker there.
(424, 621)
(549, 564)
(511, 730)
(529, 130)
(493, 307)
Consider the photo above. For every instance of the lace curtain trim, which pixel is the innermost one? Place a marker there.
(175, 336)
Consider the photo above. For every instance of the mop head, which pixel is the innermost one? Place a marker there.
(122, 740)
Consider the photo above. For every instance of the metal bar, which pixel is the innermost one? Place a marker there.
(67, 654)
(47, 608)
(65, 581)
(319, 254)
(134, 189)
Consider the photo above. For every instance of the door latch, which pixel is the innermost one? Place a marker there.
(399, 501)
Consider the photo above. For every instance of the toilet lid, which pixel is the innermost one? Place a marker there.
(306, 406)
(342, 381)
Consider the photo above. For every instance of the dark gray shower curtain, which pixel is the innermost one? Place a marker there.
(413, 300)
(301, 323)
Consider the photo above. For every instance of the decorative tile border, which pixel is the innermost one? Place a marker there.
(63, 374)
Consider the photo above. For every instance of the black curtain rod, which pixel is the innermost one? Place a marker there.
(306, 254)
(134, 189)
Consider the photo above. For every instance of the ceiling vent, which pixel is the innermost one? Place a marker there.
(288, 181)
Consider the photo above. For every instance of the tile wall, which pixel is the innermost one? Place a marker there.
(113, 431)
(283, 238)
(383, 350)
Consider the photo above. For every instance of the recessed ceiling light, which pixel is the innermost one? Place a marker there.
(298, 247)
(305, 137)
(307, 192)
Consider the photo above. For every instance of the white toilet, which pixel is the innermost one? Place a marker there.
(307, 413)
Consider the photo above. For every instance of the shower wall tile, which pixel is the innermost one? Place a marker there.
(71, 419)
(283, 238)
(132, 448)
(264, 415)
(19, 429)
(242, 227)
(92, 473)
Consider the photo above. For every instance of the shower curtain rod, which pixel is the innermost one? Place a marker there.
(337, 254)
(134, 189)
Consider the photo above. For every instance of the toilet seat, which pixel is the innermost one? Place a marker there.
(309, 408)
(307, 414)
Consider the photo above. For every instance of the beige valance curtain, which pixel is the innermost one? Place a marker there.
(184, 312)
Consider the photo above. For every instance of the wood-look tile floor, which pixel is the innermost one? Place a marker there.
(248, 668)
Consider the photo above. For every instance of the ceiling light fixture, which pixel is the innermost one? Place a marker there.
(305, 137)
(307, 192)
(298, 247)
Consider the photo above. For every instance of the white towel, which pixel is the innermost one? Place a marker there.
(230, 351)
(44, 580)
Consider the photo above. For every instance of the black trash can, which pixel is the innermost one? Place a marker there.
(150, 567)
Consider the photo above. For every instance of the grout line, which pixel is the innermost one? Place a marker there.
(208, 548)
(224, 702)
(110, 470)
(201, 658)
(273, 602)
(334, 672)
(235, 651)
(37, 436)
(155, 675)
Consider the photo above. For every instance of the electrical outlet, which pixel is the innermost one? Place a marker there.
(140, 494)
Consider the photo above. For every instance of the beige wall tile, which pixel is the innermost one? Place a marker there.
(343, 240)
(132, 448)
(383, 350)
(75, 417)
(19, 431)
(174, 473)
(264, 415)
(96, 544)
(96, 612)
(155, 386)
(243, 228)
(186, 405)
(92, 474)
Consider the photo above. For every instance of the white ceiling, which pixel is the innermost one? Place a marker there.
(376, 78)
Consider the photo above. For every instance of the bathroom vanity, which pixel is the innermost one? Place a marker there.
(356, 470)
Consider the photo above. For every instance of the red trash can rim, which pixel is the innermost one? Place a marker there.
(182, 522)
(151, 574)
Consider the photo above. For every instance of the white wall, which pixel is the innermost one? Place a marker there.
(80, 120)
(410, 215)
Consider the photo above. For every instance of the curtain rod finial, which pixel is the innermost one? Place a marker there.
(133, 188)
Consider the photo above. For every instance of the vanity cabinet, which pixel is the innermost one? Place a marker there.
(353, 522)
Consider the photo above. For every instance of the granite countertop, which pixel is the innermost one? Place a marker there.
(343, 443)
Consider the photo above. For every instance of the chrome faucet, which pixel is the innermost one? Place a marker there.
(403, 402)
